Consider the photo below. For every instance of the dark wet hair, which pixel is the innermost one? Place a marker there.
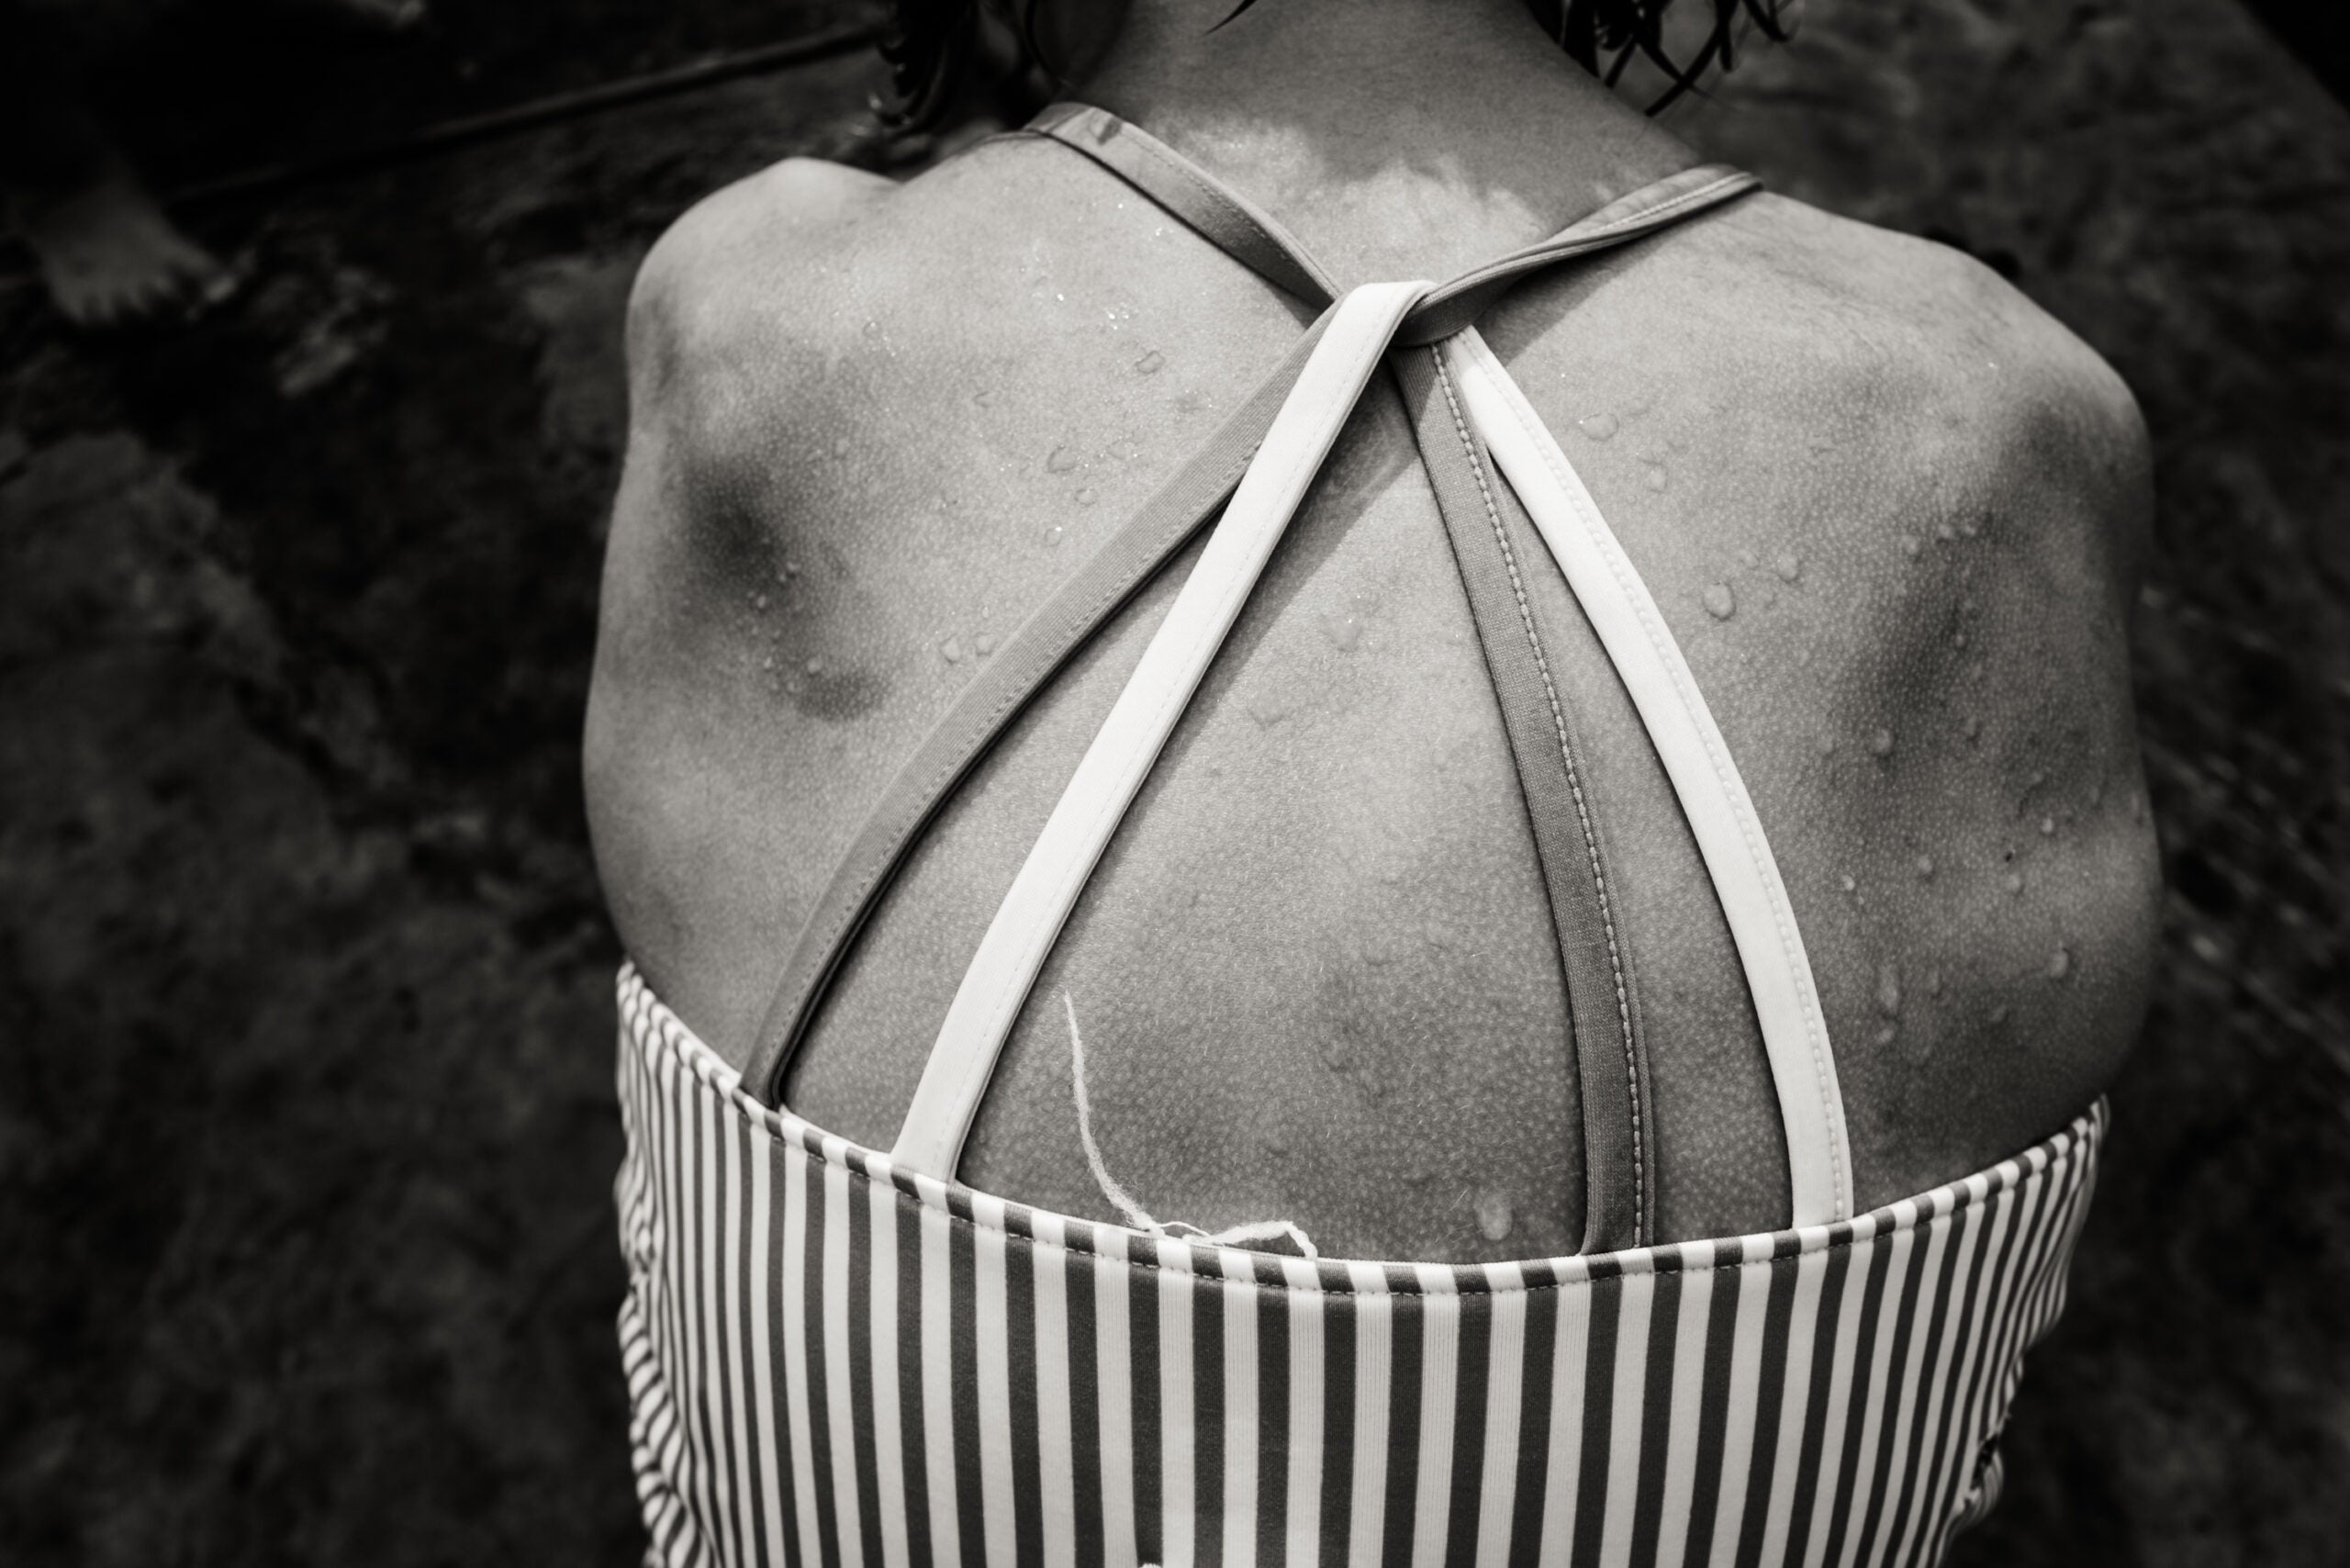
(930, 43)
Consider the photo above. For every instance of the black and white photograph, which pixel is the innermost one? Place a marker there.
(1149, 783)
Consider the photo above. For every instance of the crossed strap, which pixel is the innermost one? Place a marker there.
(1289, 420)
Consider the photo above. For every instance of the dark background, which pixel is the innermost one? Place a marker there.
(306, 1115)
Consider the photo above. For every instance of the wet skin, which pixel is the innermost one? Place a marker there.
(1890, 510)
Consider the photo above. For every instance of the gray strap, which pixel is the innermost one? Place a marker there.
(1460, 303)
(1257, 241)
(1493, 545)
(1620, 1185)
(999, 690)
(1225, 219)
(1486, 528)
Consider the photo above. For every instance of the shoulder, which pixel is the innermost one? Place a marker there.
(1976, 483)
(759, 223)
(1929, 502)
(726, 275)
(1943, 362)
(757, 292)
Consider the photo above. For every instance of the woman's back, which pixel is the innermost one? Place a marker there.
(1887, 510)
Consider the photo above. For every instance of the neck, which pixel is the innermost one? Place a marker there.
(1398, 137)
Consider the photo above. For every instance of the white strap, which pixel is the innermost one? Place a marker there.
(996, 986)
(1714, 798)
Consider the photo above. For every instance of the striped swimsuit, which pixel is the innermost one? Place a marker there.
(837, 1355)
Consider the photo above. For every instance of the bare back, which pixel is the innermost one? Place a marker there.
(1889, 510)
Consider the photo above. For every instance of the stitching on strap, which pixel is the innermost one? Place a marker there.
(1663, 644)
(1574, 786)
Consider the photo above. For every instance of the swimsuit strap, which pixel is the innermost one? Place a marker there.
(1496, 551)
(995, 988)
(1314, 390)
(998, 691)
(1222, 217)
(1493, 545)
(1025, 662)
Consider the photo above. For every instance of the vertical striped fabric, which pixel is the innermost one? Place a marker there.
(832, 1361)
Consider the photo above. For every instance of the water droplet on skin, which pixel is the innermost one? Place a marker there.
(1888, 1034)
(1053, 536)
(1493, 1216)
(1880, 744)
(1944, 533)
(840, 447)
(1788, 567)
(1926, 866)
(1910, 545)
(1085, 496)
(1344, 633)
(1060, 461)
(2060, 964)
(2036, 780)
(1150, 363)
(873, 328)
(1656, 476)
(1850, 885)
(1271, 708)
(814, 665)
(1828, 745)
(1958, 640)
(1973, 727)
(768, 663)
(1720, 603)
(1599, 427)
(1888, 990)
(952, 650)
(1933, 982)
(758, 602)
(984, 644)
(2048, 827)
(984, 396)
(2012, 881)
